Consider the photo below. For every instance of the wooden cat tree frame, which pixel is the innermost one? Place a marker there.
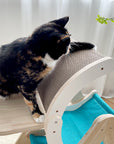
(66, 95)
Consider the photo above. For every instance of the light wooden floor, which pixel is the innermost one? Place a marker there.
(10, 139)
(110, 102)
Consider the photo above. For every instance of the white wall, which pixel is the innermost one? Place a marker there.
(18, 18)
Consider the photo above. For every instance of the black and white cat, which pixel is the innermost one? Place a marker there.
(26, 61)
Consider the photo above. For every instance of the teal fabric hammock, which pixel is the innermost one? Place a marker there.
(77, 123)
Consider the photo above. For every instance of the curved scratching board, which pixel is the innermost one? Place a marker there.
(70, 75)
(65, 68)
(14, 113)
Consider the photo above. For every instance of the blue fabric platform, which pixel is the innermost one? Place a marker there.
(76, 123)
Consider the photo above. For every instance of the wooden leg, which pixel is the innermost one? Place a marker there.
(109, 136)
(40, 132)
(23, 139)
(101, 130)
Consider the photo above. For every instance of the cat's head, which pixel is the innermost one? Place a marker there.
(51, 38)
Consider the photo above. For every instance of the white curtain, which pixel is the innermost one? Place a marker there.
(18, 18)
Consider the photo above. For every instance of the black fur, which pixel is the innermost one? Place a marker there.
(77, 46)
(20, 71)
(21, 62)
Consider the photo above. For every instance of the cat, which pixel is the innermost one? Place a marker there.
(25, 62)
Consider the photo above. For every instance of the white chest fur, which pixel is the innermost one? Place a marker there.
(49, 61)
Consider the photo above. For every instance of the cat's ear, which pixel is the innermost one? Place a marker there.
(62, 21)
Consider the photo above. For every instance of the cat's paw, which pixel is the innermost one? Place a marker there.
(38, 118)
(4, 98)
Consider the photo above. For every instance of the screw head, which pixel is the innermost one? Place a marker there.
(54, 131)
(102, 68)
(55, 122)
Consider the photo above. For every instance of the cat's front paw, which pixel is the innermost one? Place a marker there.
(38, 118)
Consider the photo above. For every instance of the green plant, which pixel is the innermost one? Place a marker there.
(104, 20)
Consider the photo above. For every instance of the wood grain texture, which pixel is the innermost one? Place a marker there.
(16, 117)
(110, 102)
(23, 139)
(101, 130)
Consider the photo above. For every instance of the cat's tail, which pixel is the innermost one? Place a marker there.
(77, 46)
